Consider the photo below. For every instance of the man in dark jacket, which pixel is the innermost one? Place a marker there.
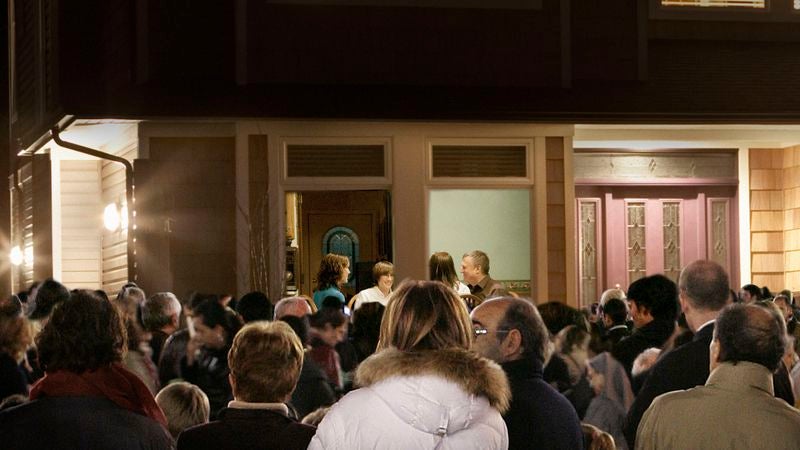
(654, 306)
(704, 292)
(510, 331)
(265, 361)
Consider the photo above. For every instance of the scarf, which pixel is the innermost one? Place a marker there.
(113, 382)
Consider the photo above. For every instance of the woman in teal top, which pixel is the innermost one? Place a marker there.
(334, 270)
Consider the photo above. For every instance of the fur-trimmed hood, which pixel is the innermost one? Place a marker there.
(471, 373)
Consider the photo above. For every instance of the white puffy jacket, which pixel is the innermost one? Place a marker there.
(438, 399)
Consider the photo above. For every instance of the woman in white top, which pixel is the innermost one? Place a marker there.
(383, 276)
(441, 268)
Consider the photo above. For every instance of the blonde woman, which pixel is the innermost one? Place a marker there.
(424, 389)
(441, 268)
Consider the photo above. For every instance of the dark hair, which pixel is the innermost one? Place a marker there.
(765, 293)
(214, 314)
(751, 333)
(101, 293)
(299, 326)
(366, 329)
(616, 310)
(571, 337)
(706, 285)
(656, 293)
(441, 268)
(735, 297)
(333, 316)
(753, 290)
(521, 315)
(49, 294)
(196, 298)
(557, 316)
(84, 333)
(254, 306)
(332, 302)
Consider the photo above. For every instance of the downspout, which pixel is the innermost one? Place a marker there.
(128, 190)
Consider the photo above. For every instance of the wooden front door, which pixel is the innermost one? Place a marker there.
(351, 223)
(628, 232)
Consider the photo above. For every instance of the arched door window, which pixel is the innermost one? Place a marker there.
(342, 241)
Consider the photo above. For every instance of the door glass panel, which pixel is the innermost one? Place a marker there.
(719, 232)
(588, 252)
(637, 256)
(672, 240)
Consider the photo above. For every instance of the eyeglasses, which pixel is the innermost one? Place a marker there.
(480, 330)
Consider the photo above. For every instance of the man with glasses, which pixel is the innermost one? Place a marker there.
(510, 331)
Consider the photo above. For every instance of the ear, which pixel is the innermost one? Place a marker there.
(232, 381)
(713, 355)
(683, 301)
(512, 344)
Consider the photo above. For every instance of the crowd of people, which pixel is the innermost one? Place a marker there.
(442, 363)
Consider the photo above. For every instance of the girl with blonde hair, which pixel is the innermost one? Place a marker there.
(423, 388)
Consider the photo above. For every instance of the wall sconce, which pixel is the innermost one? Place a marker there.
(115, 217)
(16, 256)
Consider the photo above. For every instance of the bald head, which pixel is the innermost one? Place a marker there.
(501, 316)
(292, 306)
(705, 285)
(750, 333)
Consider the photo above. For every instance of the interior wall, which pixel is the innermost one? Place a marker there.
(501, 228)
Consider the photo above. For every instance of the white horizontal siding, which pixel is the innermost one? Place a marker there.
(81, 222)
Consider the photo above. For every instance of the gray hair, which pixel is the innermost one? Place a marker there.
(157, 311)
(285, 305)
(479, 258)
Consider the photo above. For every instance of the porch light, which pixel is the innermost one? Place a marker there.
(111, 217)
(16, 256)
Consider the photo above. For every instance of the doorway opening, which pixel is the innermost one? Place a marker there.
(355, 224)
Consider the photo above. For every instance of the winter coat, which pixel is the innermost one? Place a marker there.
(442, 399)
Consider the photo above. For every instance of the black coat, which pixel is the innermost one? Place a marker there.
(682, 368)
(13, 379)
(210, 373)
(654, 334)
(313, 389)
(78, 423)
(539, 417)
(245, 429)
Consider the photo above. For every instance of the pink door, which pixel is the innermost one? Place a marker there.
(628, 232)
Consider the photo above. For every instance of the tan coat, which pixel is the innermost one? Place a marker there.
(735, 409)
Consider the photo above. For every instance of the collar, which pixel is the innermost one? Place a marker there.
(278, 407)
(481, 286)
(705, 332)
(617, 327)
(706, 324)
(523, 368)
(742, 376)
